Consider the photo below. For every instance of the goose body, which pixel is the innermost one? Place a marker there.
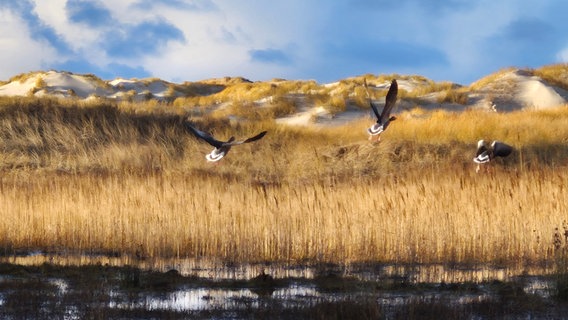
(486, 153)
(482, 154)
(384, 118)
(221, 147)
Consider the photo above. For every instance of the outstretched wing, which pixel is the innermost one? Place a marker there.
(205, 136)
(251, 139)
(501, 149)
(390, 101)
(377, 114)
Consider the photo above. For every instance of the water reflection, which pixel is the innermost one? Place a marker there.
(232, 288)
(302, 296)
(220, 270)
(197, 299)
(542, 287)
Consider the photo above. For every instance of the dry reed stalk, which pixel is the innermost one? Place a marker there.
(419, 217)
(138, 183)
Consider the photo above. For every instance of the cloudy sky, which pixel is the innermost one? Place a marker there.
(190, 40)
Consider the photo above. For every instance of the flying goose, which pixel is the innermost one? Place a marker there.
(383, 118)
(485, 154)
(221, 147)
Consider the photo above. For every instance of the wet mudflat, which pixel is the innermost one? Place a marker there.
(267, 291)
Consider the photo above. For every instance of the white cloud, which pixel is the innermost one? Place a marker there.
(211, 60)
(52, 13)
(19, 52)
(563, 55)
(80, 38)
(219, 42)
(325, 41)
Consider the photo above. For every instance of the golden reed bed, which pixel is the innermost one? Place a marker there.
(422, 217)
(101, 179)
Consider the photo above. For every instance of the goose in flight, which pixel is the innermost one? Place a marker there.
(384, 118)
(486, 153)
(221, 147)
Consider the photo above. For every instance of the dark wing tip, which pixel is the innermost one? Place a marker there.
(390, 101)
(251, 139)
(257, 137)
(205, 136)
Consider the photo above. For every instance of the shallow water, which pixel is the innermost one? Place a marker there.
(201, 288)
(216, 269)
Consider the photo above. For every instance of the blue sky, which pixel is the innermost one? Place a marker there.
(186, 40)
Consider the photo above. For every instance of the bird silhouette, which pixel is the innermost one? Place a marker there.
(221, 147)
(486, 153)
(384, 118)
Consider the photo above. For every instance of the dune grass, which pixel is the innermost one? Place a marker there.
(556, 74)
(96, 177)
(487, 80)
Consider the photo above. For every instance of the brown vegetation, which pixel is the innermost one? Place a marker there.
(111, 178)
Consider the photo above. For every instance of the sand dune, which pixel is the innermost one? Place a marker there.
(519, 89)
(67, 85)
(510, 90)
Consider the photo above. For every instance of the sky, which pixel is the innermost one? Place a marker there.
(191, 40)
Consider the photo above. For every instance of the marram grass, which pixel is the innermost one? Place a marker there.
(104, 178)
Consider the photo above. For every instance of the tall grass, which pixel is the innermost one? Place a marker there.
(556, 74)
(423, 217)
(111, 178)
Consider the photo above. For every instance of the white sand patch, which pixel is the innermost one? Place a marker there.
(55, 83)
(515, 90)
(17, 88)
(305, 115)
(533, 93)
(299, 119)
(154, 87)
(320, 116)
(65, 84)
(82, 86)
(331, 85)
(408, 85)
